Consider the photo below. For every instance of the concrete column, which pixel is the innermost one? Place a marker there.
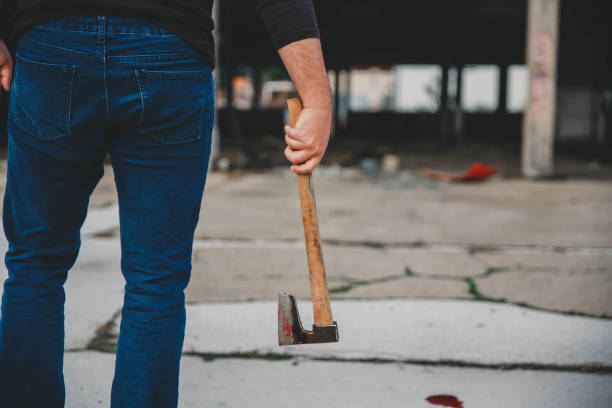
(444, 87)
(257, 85)
(458, 112)
(503, 88)
(539, 118)
(337, 73)
(444, 108)
(347, 90)
(216, 135)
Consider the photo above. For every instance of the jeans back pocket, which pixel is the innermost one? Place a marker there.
(173, 104)
(41, 98)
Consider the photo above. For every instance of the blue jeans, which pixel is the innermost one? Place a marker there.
(84, 87)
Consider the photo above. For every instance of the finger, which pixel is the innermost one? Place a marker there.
(6, 73)
(293, 143)
(292, 133)
(307, 167)
(297, 156)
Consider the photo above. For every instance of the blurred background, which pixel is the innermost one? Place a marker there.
(465, 208)
(425, 77)
(433, 77)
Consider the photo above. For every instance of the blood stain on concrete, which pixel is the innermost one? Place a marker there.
(445, 400)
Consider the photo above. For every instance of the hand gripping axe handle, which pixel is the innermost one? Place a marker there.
(324, 330)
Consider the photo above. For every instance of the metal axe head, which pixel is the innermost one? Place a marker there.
(290, 330)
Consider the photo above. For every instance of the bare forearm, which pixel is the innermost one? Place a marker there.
(307, 141)
(304, 62)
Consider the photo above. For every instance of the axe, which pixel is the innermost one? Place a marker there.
(324, 330)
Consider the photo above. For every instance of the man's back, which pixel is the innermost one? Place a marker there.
(286, 20)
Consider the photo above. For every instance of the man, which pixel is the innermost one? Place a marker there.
(133, 79)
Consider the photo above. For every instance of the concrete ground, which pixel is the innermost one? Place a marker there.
(305, 384)
(499, 293)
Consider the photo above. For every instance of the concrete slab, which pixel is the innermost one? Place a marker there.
(410, 330)
(249, 271)
(105, 192)
(408, 288)
(429, 262)
(101, 220)
(88, 377)
(258, 270)
(258, 207)
(245, 274)
(356, 211)
(545, 259)
(94, 290)
(500, 211)
(260, 383)
(95, 286)
(583, 290)
(265, 206)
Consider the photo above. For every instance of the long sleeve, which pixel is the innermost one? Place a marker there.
(288, 20)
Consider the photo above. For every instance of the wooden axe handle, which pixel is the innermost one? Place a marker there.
(318, 285)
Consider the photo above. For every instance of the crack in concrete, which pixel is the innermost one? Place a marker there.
(248, 355)
(489, 271)
(477, 295)
(105, 338)
(238, 242)
(360, 282)
(472, 289)
(271, 356)
(474, 248)
(443, 247)
(590, 368)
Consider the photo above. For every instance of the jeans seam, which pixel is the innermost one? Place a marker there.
(141, 34)
(110, 34)
(40, 65)
(105, 87)
(153, 57)
(172, 74)
(62, 50)
(69, 103)
(62, 31)
(142, 96)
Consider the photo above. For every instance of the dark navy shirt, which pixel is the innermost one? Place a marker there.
(285, 20)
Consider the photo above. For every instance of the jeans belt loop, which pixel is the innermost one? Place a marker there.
(101, 29)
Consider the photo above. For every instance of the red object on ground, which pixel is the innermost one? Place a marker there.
(477, 172)
(445, 400)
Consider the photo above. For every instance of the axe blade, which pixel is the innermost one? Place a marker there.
(290, 330)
